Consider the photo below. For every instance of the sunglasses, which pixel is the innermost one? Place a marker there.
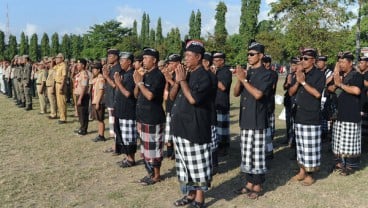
(306, 58)
(252, 54)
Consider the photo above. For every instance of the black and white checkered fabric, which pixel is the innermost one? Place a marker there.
(346, 139)
(128, 131)
(271, 124)
(365, 125)
(193, 162)
(253, 154)
(223, 127)
(214, 139)
(308, 146)
(168, 136)
(152, 141)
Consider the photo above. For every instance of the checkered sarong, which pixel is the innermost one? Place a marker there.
(253, 154)
(128, 131)
(152, 142)
(168, 136)
(308, 146)
(214, 139)
(364, 128)
(223, 127)
(193, 162)
(346, 139)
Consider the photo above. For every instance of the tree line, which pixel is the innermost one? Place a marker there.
(324, 25)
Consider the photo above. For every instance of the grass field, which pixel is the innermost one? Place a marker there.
(44, 164)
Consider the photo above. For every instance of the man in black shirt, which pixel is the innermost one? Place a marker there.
(124, 111)
(308, 90)
(254, 86)
(346, 132)
(222, 103)
(191, 126)
(267, 60)
(149, 89)
(363, 67)
(172, 61)
(108, 73)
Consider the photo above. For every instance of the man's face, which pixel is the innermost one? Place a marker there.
(112, 58)
(218, 62)
(191, 59)
(172, 65)
(321, 64)
(254, 57)
(307, 61)
(345, 64)
(80, 66)
(149, 62)
(58, 60)
(363, 65)
(137, 64)
(124, 63)
(95, 72)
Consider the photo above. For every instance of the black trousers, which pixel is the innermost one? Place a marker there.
(83, 113)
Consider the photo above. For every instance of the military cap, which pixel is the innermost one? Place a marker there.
(255, 46)
(195, 46)
(363, 58)
(216, 54)
(147, 51)
(207, 56)
(127, 55)
(309, 52)
(295, 60)
(173, 58)
(113, 51)
(82, 61)
(322, 58)
(267, 59)
(347, 55)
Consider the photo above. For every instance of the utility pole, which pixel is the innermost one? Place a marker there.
(358, 31)
(7, 30)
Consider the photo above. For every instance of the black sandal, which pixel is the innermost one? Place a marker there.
(253, 195)
(183, 201)
(126, 163)
(196, 204)
(149, 182)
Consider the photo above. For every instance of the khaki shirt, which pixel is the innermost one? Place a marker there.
(50, 81)
(41, 76)
(98, 85)
(7, 72)
(80, 82)
(60, 73)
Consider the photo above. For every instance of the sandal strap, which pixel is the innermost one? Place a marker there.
(183, 201)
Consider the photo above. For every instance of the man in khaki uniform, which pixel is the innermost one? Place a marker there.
(41, 86)
(18, 73)
(26, 81)
(60, 86)
(50, 85)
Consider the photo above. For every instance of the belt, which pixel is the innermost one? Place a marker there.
(58, 82)
(38, 84)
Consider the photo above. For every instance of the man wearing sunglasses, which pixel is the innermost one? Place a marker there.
(308, 90)
(254, 86)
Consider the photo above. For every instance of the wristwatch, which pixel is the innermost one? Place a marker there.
(303, 83)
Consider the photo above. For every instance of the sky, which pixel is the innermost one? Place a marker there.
(76, 16)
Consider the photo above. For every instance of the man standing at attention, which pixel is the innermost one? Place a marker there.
(308, 91)
(149, 90)
(60, 86)
(254, 86)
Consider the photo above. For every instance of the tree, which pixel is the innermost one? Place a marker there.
(100, 37)
(12, 50)
(144, 37)
(220, 28)
(249, 19)
(173, 43)
(134, 29)
(2, 45)
(23, 46)
(192, 22)
(159, 37)
(45, 45)
(75, 46)
(55, 44)
(195, 25)
(34, 54)
(317, 24)
(152, 41)
(65, 46)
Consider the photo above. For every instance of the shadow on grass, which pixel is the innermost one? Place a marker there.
(280, 169)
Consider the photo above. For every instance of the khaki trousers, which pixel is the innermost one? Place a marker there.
(41, 98)
(52, 101)
(61, 100)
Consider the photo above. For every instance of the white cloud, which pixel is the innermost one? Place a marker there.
(127, 15)
(30, 29)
